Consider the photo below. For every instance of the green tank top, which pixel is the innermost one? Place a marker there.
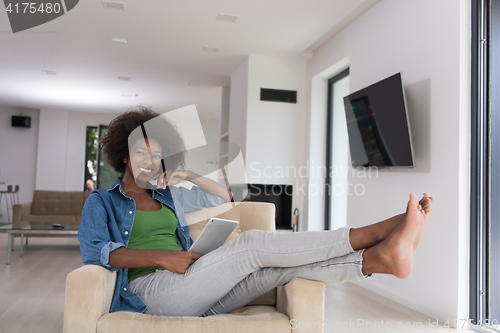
(152, 230)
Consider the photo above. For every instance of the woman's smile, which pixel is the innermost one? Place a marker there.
(146, 170)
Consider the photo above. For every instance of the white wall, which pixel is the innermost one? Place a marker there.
(205, 163)
(273, 144)
(238, 106)
(225, 107)
(52, 150)
(61, 148)
(427, 41)
(18, 152)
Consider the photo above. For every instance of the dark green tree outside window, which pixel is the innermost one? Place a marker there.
(92, 146)
(106, 175)
(97, 168)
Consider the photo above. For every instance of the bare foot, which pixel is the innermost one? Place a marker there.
(373, 234)
(395, 255)
(387, 226)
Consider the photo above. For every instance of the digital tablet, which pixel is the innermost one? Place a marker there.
(214, 234)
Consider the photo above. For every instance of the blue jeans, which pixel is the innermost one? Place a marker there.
(247, 267)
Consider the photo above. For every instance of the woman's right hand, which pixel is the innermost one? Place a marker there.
(176, 261)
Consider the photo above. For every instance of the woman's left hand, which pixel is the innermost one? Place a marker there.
(171, 177)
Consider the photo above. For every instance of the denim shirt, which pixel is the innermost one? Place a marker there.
(107, 219)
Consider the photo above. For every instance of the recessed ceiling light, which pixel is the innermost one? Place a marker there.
(194, 83)
(49, 72)
(226, 18)
(124, 78)
(113, 5)
(210, 49)
(119, 40)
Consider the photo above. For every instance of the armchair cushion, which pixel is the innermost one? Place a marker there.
(255, 319)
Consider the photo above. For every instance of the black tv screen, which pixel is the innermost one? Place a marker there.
(378, 125)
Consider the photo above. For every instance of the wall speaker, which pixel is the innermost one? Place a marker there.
(275, 95)
(21, 121)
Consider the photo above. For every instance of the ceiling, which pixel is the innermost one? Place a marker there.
(163, 50)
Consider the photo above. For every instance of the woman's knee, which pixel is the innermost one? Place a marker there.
(253, 236)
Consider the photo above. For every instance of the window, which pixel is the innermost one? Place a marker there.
(91, 157)
(337, 153)
(97, 168)
(485, 164)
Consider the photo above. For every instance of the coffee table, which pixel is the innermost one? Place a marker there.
(36, 228)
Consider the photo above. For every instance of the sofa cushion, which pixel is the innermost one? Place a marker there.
(254, 319)
(268, 298)
(66, 203)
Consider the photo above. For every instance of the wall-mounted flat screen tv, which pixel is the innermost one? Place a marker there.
(378, 125)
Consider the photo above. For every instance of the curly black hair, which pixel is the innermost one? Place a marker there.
(116, 140)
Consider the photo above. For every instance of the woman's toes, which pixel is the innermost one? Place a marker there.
(426, 202)
(424, 199)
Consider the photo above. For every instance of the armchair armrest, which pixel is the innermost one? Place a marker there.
(89, 290)
(18, 210)
(303, 302)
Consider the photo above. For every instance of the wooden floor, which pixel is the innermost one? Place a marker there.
(32, 295)
(32, 287)
(351, 308)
